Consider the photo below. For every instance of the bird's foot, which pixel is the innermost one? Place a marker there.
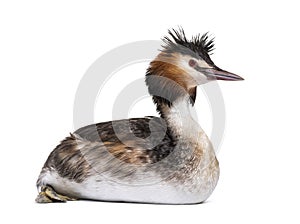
(48, 195)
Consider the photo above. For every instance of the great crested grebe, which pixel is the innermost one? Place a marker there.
(167, 160)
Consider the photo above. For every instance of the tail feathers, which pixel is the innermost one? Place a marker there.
(41, 181)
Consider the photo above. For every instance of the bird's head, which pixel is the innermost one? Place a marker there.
(185, 63)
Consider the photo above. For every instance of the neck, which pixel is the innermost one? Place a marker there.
(186, 131)
(179, 119)
(173, 94)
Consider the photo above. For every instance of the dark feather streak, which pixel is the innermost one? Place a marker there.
(200, 46)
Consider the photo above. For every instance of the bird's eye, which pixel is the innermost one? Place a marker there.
(192, 62)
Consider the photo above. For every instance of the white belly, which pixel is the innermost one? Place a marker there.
(92, 188)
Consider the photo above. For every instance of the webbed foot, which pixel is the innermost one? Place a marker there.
(48, 195)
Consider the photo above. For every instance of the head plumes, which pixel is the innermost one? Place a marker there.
(200, 46)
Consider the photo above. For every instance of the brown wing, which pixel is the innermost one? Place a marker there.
(98, 148)
(129, 154)
(136, 140)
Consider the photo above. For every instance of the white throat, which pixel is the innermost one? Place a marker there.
(180, 119)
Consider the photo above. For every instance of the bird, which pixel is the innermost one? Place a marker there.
(165, 159)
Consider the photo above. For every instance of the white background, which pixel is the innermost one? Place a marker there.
(46, 47)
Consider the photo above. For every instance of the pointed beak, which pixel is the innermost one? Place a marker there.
(219, 74)
(216, 73)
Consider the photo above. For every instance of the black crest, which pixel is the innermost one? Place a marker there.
(198, 46)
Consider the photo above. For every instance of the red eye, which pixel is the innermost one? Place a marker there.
(192, 63)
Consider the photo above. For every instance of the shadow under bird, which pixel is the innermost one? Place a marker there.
(167, 159)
